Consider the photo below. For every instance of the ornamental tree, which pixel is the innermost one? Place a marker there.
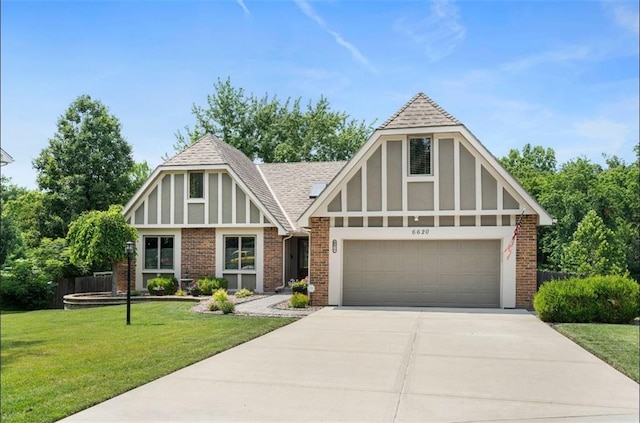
(98, 238)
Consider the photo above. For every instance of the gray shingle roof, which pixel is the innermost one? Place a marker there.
(211, 150)
(291, 182)
(420, 111)
(205, 151)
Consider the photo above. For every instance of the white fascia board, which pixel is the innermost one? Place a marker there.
(154, 175)
(544, 218)
(303, 221)
(252, 196)
(128, 208)
(421, 130)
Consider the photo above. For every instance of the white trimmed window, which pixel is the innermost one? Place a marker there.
(420, 156)
(196, 185)
(239, 252)
(158, 252)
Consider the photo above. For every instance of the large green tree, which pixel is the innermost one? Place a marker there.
(594, 249)
(532, 167)
(10, 239)
(569, 191)
(270, 130)
(87, 165)
(98, 238)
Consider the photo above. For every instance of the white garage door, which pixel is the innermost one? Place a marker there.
(422, 273)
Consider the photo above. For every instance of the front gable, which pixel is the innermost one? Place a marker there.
(222, 200)
(459, 183)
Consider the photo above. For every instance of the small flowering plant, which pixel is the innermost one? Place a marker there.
(300, 286)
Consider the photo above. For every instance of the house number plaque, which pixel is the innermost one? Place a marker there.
(420, 232)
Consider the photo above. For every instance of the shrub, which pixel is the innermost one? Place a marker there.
(167, 283)
(224, 284)
(221, 302)
(244, 292)
(596, 299)
(208, 285)
(180, 293)
(227, 306)
(299, 300)
(220, 295)
(24, 287)
(194, 291)
(300, 287)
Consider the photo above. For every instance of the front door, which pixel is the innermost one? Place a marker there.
(303, 258)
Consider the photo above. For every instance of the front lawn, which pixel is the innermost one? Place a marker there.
(56, 362)
(616, 344)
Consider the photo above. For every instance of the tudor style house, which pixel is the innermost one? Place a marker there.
(422, 215)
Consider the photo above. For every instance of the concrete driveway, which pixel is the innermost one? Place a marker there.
(390, 365)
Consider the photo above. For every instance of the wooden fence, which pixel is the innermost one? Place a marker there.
(98, 283)
(544, 276)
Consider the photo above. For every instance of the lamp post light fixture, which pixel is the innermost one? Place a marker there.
(129, 248)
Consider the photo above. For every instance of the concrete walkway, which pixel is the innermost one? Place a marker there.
(389, 365)
(264, 307)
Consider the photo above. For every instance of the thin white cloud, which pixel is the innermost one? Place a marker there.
(355, 53)
(624, 15)
(439, 33)
(244, 6)
(608, 135)
(545, 57)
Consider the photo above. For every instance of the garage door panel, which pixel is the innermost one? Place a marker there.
(429, 264)
(422, 273)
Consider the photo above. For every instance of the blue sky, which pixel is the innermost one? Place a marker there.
(558, 74)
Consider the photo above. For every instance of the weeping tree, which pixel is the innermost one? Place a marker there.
(98, 238)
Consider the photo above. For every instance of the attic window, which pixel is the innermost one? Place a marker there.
(420, 156)
(196, 185)
(316, 189)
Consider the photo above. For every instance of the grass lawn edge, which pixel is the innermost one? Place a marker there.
(615, 362)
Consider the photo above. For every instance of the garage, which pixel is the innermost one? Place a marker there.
(447, 273)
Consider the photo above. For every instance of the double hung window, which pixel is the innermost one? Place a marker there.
(239, 252)
(158, 252)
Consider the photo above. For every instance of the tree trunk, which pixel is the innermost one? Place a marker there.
(114, 279)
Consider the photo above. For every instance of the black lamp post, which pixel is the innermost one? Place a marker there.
(129, 248)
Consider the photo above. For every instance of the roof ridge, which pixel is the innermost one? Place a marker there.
(402, 109)
(413, 99)
(440, 108)
(275, 197)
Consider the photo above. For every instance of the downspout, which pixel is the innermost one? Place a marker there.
(284, 258)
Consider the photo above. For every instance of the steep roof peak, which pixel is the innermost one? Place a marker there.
(420, 111)
(208, 150)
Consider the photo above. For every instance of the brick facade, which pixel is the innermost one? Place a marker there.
(272, 259)
(198, 252)
(526, 265)
(319, 266)
(121, 275)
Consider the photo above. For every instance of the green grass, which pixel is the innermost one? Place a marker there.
(616, 344)
(56, 362)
